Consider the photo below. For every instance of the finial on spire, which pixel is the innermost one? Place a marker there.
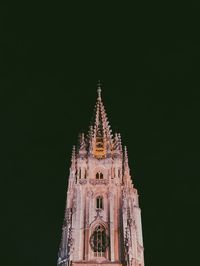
(99, 89)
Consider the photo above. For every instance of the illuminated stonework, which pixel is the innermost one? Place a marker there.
(102, 223)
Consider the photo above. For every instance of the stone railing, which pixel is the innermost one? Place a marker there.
(93, 181)
(98, 181)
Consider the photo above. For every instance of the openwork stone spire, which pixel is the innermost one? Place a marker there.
(101, 133)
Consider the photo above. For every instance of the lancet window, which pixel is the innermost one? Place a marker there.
(99, 175)
(99, 202)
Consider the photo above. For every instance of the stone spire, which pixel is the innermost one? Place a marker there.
(101, 132)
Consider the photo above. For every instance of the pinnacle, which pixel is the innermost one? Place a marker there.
(73, 158)
(125, 154)
(73, 152)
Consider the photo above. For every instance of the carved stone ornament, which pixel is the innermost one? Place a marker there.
(127, 242)
(98, 214)
(130, 222)
(98, 181)
(83, 181)
(90, 194)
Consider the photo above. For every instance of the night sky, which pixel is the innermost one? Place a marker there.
(147, 58)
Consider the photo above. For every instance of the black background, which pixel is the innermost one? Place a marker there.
(147, 57)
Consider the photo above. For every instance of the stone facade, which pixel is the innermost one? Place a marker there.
(102, 223)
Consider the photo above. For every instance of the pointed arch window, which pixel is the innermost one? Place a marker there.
(99, 241)
(99, 203)
(99, 175)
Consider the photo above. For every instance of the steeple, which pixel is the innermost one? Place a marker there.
(102, 222)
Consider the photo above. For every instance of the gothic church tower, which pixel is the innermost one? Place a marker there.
(102, 223)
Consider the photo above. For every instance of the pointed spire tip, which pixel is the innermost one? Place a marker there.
(99, 89)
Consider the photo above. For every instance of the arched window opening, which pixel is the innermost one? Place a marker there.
(99, 175)
(99, 241)
(99, 202)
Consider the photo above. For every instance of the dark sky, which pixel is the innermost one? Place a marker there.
(147, 57)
